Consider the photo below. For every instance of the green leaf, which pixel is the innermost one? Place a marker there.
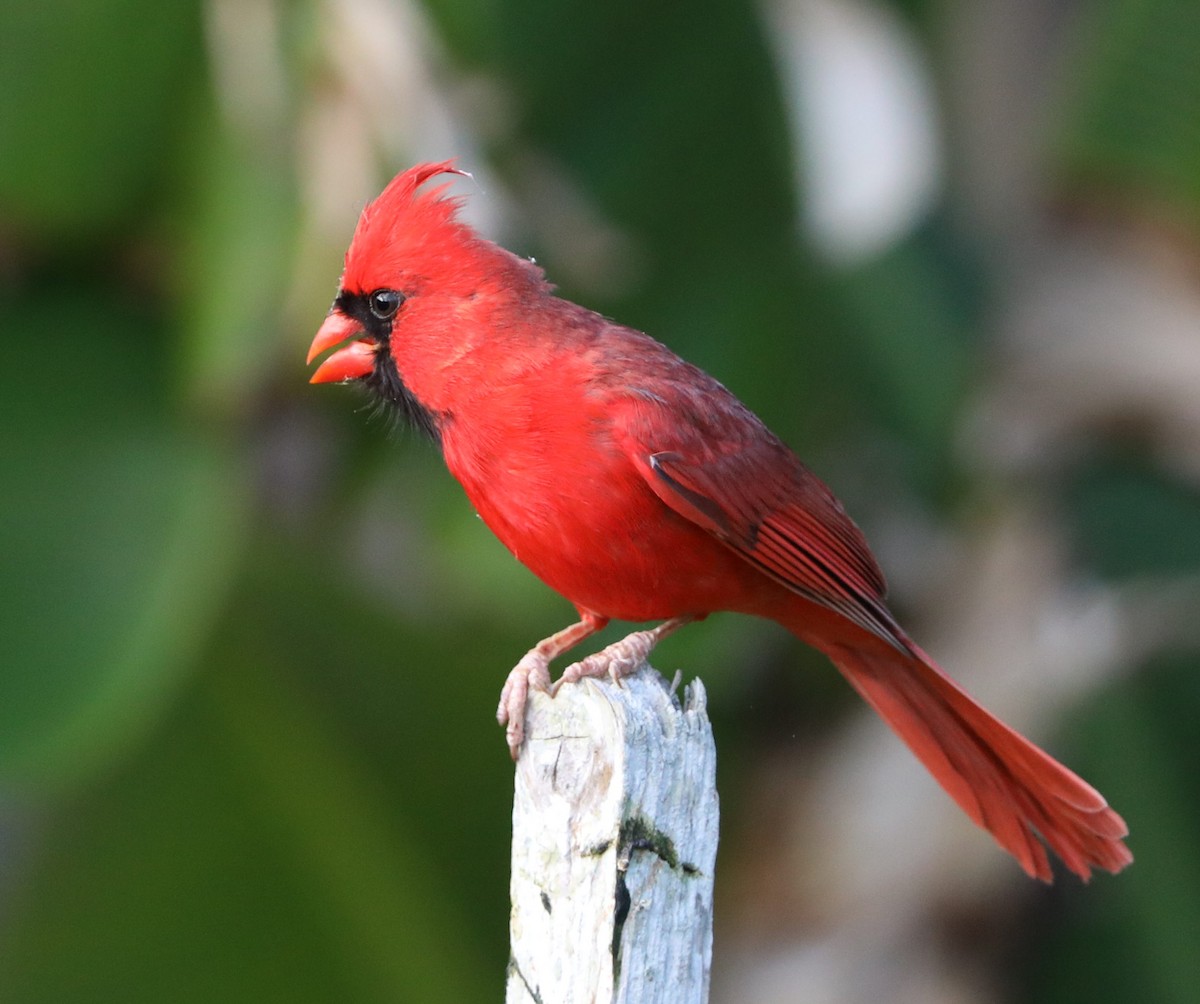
(90, 94)
(910, 316)
(245, 855)
(1132, 520)
(324, 816)
(118, 529)
(234, 269)
(1132, 937)
(1133, 126)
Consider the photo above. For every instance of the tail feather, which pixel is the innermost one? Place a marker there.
(1005, 783)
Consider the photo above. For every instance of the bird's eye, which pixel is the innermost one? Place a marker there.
(385, 302)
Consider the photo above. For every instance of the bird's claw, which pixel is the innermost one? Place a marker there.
(531, 673)
(620, 659)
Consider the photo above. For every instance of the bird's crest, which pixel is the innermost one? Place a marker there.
(402, 227)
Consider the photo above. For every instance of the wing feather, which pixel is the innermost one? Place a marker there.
(781, 518)
(711, 460)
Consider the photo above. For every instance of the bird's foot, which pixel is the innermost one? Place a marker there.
(532, 672)
(621, 658)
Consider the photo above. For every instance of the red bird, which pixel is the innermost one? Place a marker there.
(639, 488)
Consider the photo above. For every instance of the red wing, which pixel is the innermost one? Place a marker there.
(711, 460)
(767, 506)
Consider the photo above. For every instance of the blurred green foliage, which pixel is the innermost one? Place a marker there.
(252, 643)
(1132, 127)
(91, 111)
(120, 528)
(1132, 940)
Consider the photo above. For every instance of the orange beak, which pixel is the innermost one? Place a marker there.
(349, 362)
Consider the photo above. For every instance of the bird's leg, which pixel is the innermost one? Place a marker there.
(623, 657)
(534, 671)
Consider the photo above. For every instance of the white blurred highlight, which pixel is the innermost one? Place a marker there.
(863, 122)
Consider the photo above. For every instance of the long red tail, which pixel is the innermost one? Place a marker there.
(1005, 783)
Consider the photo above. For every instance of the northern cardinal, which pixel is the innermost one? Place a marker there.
(639, 488)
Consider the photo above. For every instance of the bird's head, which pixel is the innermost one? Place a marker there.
(405, 242)
(415, 282)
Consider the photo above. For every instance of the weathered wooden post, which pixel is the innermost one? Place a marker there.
(614, 843)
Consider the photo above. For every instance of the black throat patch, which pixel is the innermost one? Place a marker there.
(384, 380)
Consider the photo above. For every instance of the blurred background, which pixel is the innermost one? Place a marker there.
(251, 639)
